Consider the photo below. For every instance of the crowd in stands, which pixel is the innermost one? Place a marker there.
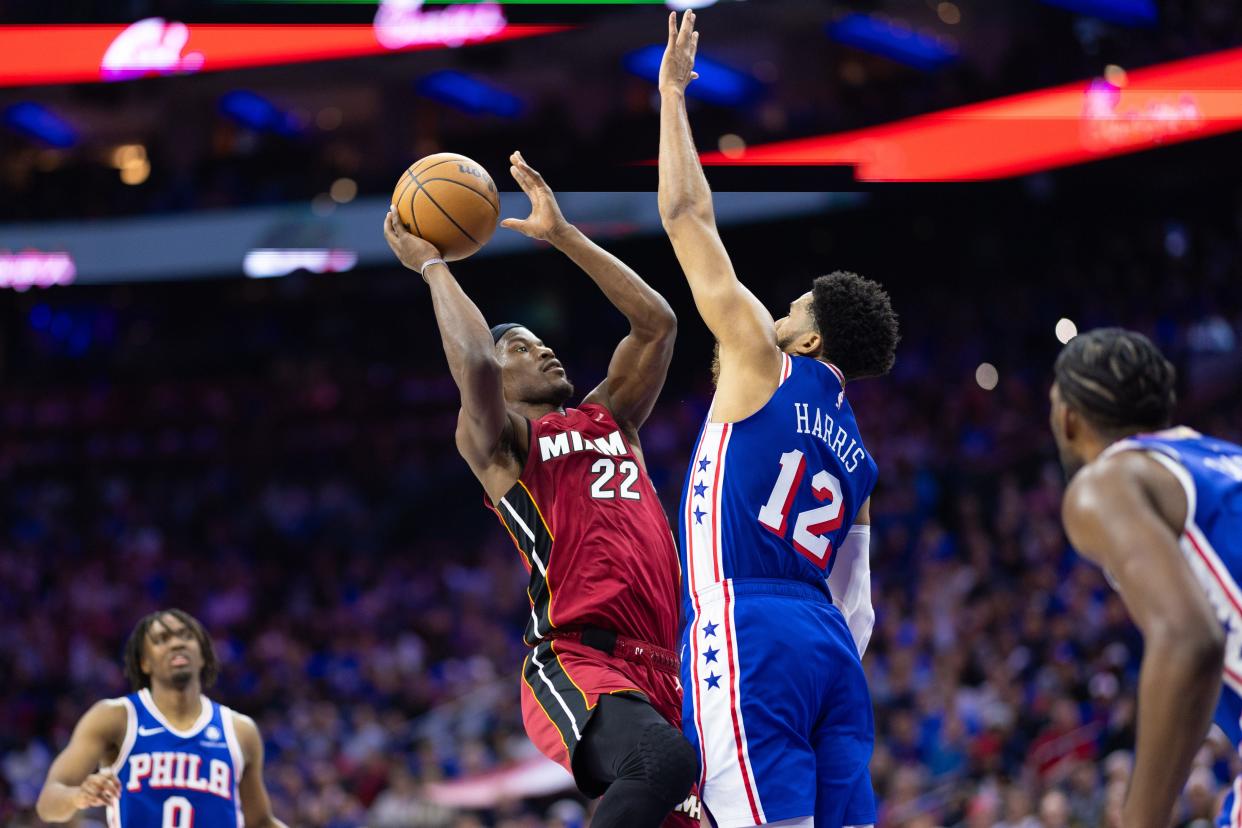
(275, 459)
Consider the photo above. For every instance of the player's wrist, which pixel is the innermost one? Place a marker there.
(428, 268)
(561, 233)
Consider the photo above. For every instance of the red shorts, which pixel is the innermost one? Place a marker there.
(562, 681)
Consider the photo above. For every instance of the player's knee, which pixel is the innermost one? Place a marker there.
(670, 766)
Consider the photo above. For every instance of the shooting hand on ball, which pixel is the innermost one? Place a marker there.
(677, 66)
(413, 251)
(545, 221)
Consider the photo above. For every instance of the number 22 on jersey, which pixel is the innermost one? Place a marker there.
(810, 526)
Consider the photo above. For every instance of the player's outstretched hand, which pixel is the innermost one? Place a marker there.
(413, 251)
(545, 220)
(677, 67)
(98, 789)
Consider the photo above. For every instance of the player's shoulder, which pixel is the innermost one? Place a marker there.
(107, 716)
(1123, 477)
(240, 720)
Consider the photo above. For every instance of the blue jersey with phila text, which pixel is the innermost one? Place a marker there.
(772, 496)
(174, 778)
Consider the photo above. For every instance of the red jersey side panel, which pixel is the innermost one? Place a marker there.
(591, 529)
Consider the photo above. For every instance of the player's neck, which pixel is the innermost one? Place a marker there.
(182, 706)
(533, 411)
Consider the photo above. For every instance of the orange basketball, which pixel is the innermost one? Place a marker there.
(450, 201)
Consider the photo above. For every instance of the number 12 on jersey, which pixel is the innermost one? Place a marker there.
(811, 525)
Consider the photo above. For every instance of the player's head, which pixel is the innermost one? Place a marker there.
(171, 647)
(846, 320)
(1109, 383)
(532, 373)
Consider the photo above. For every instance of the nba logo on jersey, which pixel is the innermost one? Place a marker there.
(175, 778)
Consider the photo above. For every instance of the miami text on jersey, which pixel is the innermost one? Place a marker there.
(554, 445)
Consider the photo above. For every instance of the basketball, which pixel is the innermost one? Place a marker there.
(450, 201)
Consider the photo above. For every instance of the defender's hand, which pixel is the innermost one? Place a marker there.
(677, 67)
(98, 789)
(413, 251)
(545, 221)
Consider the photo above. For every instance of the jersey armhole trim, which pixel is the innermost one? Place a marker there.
(131, 735)
(230, 737)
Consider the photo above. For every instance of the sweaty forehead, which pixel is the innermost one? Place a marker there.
(804, 299)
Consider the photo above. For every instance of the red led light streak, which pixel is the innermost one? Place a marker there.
(1056, 127)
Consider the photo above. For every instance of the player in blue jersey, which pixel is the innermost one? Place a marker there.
(774, 520)
(1160, 509)
(165, 756)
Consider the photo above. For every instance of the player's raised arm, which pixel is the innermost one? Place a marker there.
(741, 324)
(1117, 512)
(256, 806)
(467, 341)
(640, 363)
(74, 780)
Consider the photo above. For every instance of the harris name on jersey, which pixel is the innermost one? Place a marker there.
(820, 424)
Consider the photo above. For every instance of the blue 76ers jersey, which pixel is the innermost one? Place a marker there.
(772, 496)
(1210, 471)
(177, 779)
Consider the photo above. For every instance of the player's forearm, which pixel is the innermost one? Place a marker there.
(646, 310)
(683, 190)
(1178, 687)
(57, 802)
(465, 336)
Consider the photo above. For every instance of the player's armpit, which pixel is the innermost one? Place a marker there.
(94, 739)
(256, 805)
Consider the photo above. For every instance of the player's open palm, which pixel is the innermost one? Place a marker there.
(98, 789)
(545, 218)
(677, 67)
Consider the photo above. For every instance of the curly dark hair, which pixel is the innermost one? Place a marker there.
(856, 324)
(133, 649)
(1117, 379)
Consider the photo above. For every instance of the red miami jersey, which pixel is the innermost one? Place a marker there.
(592, 532)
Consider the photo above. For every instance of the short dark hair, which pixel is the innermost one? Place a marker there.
(133, 649)
(1117, 379)
(856, 324)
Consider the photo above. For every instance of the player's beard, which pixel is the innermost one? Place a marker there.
(181, 679)
(556, 394)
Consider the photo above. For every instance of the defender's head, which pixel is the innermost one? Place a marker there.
(1110, 383)
(846, 320)
(532, 374)
(171, 647)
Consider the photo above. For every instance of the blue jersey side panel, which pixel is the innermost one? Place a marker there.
(1211, 472)
(178, 778)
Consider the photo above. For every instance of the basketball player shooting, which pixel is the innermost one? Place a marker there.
(1160, 510)
(777, 499)
(599, 686)
(165, 755)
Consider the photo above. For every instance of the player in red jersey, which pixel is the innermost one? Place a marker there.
(600, 692)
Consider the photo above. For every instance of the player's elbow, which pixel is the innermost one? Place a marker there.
(1199, 644)
(658, 323)
(682, 213)
(46, 810)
